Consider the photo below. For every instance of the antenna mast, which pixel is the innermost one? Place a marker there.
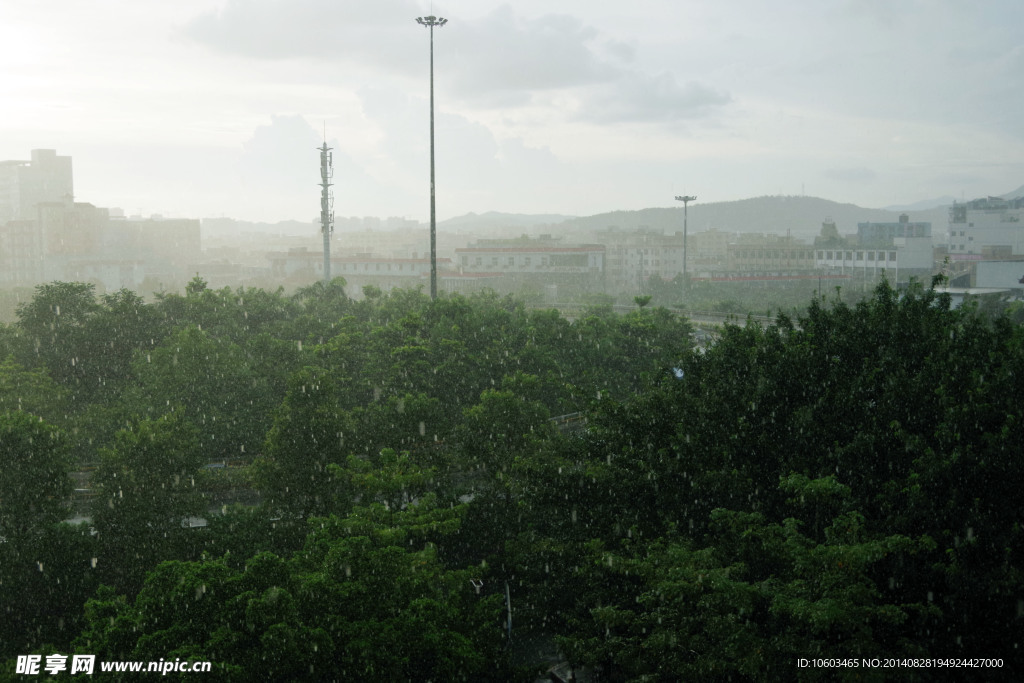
(326, 204)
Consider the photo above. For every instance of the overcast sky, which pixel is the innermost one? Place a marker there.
(213, 108)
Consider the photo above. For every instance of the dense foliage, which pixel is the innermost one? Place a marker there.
(310, 487)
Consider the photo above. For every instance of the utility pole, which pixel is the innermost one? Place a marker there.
(430, 22)
(685, 199)
(326, 205)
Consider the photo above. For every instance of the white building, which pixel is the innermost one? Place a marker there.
(530, 259)
(1000, 274)
(909, 255)
(302, 264)
(981, 227)
(900, 249)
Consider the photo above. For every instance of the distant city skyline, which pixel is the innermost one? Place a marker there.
(204, 109)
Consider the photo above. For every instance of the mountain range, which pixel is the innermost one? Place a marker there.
(799, 216)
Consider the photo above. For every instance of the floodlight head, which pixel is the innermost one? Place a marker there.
(685, 199)
(431, 21)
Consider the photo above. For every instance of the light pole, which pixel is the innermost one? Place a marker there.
(685, 199)
(430, 22)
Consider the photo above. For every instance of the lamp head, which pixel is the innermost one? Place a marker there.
(431, 21)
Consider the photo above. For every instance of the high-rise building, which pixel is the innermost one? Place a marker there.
(46, 235)
(24, 185)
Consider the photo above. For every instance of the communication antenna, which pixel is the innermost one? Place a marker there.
(326, 203)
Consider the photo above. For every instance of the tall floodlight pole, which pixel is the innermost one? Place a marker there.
(326, 206)
(685, 199)
(430, 22)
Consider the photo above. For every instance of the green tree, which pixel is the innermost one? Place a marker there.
(30, 391)
(365, 597)
(751, 600)
(42, 571)
(146, 494)
(34, 482)
(212, 381)
(310, 432)
(55, 324)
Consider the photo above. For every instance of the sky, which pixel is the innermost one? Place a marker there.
(206, 108)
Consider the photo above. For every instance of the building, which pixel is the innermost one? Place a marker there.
(24, 185)
(883, 234)
(633, 258)
(993, 224)
(21, 254)
(770, 255)
(166, 245)
(899, 250)
(709, 251)
(301, 265)
(45, 235)
(1007, 275)
(543, 261)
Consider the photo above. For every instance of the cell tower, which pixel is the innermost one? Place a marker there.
(326, 205)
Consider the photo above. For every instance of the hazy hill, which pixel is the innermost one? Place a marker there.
(1019, 192)
(801, 216)
(924, 204)
(495, 220)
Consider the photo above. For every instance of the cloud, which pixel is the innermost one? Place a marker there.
(376, 32)
(279, 157)
(851, 174)
(501, 60)
(504, 52)
(639, 97)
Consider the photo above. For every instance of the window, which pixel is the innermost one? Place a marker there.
(526, 261)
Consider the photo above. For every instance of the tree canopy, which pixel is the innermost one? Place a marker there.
(307, 487)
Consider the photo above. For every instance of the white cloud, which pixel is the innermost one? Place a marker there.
(638, 97)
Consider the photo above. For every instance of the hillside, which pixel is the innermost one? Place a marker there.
(801, 216)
